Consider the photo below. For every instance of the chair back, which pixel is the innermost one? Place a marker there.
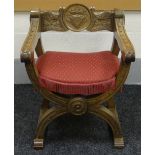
(77, 17)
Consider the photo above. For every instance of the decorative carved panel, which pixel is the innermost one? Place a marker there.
(52, 21)
(102, 20)
(77, 17)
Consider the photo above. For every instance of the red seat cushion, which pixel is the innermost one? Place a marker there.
(78, 73)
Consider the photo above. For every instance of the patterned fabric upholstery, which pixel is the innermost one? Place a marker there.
(78, 73)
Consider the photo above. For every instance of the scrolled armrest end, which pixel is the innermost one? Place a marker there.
(26, 56)
(129, 57)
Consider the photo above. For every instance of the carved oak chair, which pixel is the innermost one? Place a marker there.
(77, 83)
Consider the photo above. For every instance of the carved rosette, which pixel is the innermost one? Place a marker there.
(77, 106)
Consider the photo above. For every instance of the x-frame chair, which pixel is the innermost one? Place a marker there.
(41, 21)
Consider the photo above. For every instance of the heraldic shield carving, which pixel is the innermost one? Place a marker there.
(77, 17)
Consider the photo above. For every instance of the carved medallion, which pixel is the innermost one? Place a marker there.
(77, 17)
(77, 106)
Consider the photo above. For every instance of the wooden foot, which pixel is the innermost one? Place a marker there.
(119, 142)
(38, 144)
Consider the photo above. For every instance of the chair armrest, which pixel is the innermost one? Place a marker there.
(28, 48)
(125, 45)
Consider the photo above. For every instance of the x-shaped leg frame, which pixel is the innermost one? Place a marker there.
(78, 106)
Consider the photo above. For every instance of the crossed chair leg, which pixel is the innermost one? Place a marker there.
(77, 106)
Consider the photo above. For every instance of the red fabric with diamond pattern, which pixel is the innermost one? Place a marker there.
(78, 73)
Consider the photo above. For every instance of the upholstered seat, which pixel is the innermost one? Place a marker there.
(78, 73)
